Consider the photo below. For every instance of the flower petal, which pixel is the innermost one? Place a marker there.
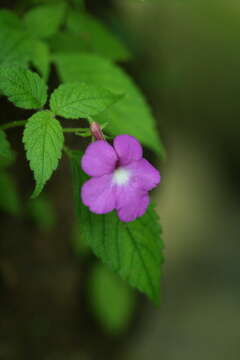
(98, 194)
(131, 201)
(99, 159)
(144, 174)
(134, 209)
(127, 148)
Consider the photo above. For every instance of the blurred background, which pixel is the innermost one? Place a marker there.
(53, 303)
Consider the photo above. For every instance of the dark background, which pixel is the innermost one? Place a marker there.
(187, 61)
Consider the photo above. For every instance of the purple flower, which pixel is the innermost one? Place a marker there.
(121, 178)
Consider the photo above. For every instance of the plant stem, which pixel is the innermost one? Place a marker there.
(18, 123)
(74, 130)
(13, 124)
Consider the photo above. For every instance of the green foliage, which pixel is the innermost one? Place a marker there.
(111, 300)
(43, 213)
(9, 199)
(16, 47)
(43, 21)
(83, 50)
(131, 115)
(23, 87)
(78, 100)
(96, 36)
(8, 19)
(43, 139)
(41, 58)
(133, 250)
(66, 42)
(5, 150)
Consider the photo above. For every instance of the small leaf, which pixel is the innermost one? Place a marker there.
(16, 47)
(43, 21)
(23, 87)
(78, 100)
(133, 250)
(41, 58)
(96, 36)
(5, 150)
(131, 115)
(111, 300)
(9, 198)
(43, 139)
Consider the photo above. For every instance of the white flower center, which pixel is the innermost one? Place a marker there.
(121, 176)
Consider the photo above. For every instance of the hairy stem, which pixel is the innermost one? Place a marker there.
(19, 123)
(74, 130)
(13, 124)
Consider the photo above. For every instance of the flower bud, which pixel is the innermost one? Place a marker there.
(96, 131)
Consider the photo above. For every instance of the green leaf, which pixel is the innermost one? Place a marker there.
(16, 47)
(132, 114)
(97, 37)
(5, 150)
(23, 87)
(44, 21)
(66, 42)
(78, 100)
(133, 250)
(43, 140)
(8, 19)
(41, 58)
(9, 198)
(111, 300)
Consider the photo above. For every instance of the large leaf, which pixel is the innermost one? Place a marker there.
(16, 47)
(131, 115)
(9, 198)
(43, 21)
(96, 36)
(133, 250)
(78, 100)
(43, 139)
(23, 87)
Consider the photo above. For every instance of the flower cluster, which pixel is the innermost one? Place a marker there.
(121, 178)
